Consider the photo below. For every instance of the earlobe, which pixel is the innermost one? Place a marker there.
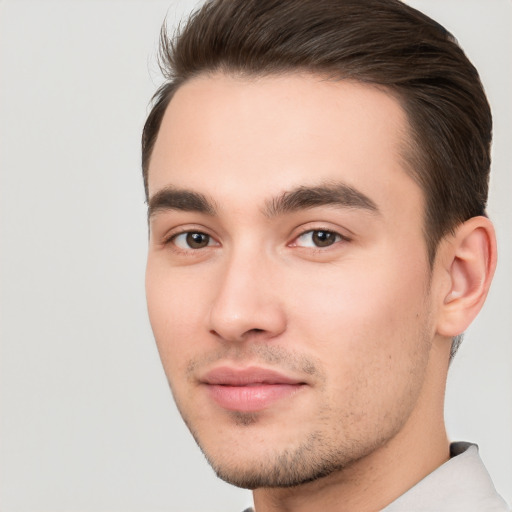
(470, 261)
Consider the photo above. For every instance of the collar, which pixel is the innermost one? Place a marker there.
(461, 484)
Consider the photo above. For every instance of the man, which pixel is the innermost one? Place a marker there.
(316, 175)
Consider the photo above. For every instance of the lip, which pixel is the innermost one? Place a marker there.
(249, 389)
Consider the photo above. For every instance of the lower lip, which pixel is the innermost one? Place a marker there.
(251, 398)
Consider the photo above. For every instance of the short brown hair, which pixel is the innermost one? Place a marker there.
(383, 42)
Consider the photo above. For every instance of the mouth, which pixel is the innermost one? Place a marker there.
(249, 389)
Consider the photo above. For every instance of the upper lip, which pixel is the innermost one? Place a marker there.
(229, 376)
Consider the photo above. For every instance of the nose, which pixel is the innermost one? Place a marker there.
(247, 302)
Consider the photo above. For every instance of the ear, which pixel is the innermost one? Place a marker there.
(468, 260)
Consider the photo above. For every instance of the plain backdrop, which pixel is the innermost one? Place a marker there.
(87, 420)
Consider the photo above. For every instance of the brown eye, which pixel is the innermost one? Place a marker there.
(197, 240)
(323, 238)
(318, 238)
(192, 240)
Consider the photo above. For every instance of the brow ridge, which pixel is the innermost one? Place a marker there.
(304, 197)
(172, 198)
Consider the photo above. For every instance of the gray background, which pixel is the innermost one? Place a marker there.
(87, 421)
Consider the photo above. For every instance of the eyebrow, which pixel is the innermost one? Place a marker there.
(171, 198)
(339, 195)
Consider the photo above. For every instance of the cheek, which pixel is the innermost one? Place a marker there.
(175, 312)
(367, 319)
(360, 297)
(373, 342)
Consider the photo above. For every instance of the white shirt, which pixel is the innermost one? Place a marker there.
(461, 484)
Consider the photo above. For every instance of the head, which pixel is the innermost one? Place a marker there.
(316, 173)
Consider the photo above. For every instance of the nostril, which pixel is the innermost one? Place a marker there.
(243, 336)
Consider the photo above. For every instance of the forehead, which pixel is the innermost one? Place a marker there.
(242, 136)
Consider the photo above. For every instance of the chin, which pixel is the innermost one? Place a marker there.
(275, 476)
(269, 467)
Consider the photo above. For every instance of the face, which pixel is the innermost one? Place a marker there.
(287, 276)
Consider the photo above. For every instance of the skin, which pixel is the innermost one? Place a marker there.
(363, 323)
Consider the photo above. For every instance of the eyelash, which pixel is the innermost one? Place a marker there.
(171, 239)
(338, 238)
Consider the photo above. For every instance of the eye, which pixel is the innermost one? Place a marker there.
(192, 240)
(318, 238)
